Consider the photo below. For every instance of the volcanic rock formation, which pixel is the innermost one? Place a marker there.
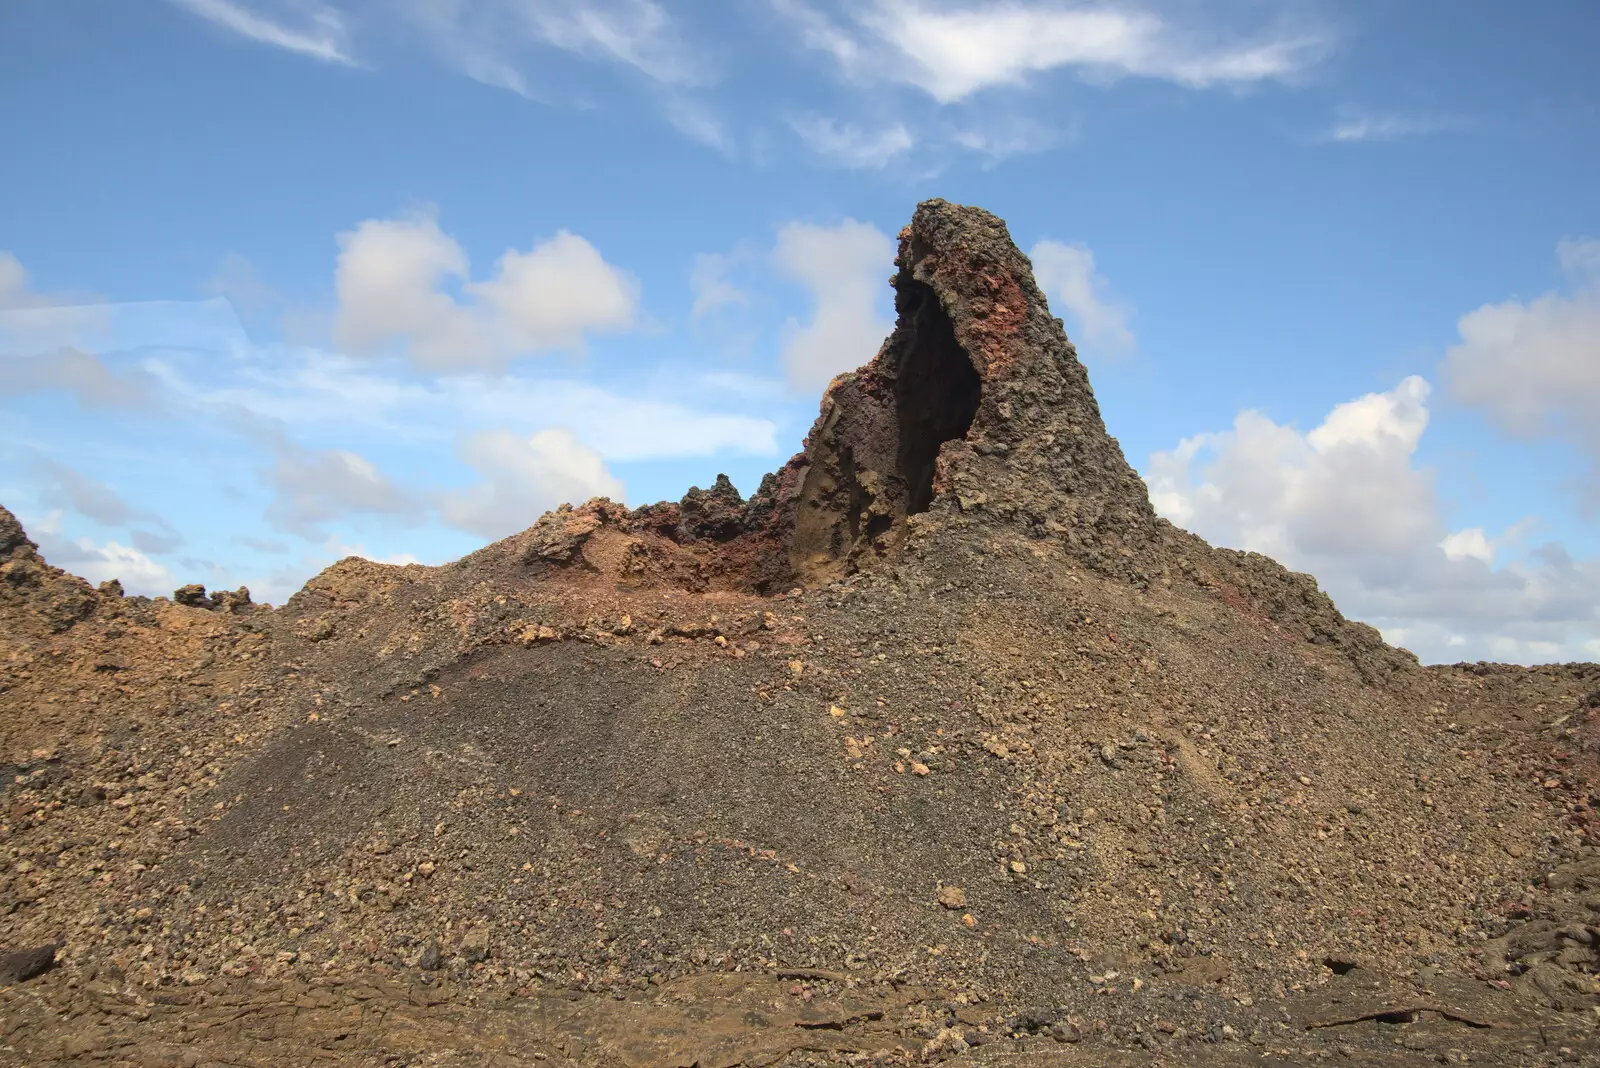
(977, 401)
(940, 746)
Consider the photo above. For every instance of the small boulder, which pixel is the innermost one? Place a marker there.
(193, 595)
(474, 946)
(18, 966)
(232, 600)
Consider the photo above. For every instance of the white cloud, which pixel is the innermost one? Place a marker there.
(1347, 503)
(1378, 422)
(550, 296)
(477, 41)
(1066, 274)
(953, 51)
(1533, 367)
(387, 280)
(523, 477)
(391, 278)
(262, 392)
(847, 145)
(845, 267)
(1330, 492)
(323, 38)
(950, 49)
(1469, 544)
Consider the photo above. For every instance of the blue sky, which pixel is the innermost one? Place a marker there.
(286, 279)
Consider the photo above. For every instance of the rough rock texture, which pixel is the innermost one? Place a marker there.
(977, 401)
(940, 747)
(34, 596)
(20, 965)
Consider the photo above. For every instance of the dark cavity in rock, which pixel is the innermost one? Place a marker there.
(936, 391)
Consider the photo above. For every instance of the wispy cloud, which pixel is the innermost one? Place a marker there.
(954, 51)
(949, 50)
(847, 145)
(639, 33)
(1355, 127)
(708, 280)
(323, 39)
(702, 125)
(998, 139)
(494, 41)
(307, 390)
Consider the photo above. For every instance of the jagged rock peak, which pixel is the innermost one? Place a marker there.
(975, 407)
(976, 403)
(33, 594)
(12, 536)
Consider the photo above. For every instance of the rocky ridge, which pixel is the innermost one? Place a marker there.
(942, 746)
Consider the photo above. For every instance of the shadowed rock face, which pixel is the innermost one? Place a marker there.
(871, 459)
(976, 401)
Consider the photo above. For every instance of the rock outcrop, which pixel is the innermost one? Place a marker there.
(976, 402)
(32, 593)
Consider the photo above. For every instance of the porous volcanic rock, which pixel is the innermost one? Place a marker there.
(34, 596)
(940, 746)
(976, 402)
